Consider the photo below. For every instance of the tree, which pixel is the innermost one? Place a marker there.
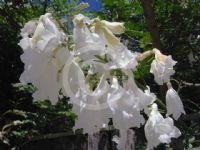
(177, 25)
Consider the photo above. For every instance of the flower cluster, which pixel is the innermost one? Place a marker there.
(51, 67)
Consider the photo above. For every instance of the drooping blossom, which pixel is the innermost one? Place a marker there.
(123, 105)
(126, 104)
(43, 57)
(50, 67)
(162, 67)
(29, 28)
(173, 103)
(121, 58)
(107, 30)
(158, 129)
(90, 105)
(87, 43)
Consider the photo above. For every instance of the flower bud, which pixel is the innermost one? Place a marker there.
(81, 6)
(173, 103)
(114, 27)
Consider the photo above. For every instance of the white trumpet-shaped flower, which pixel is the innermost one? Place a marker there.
(87, 43)
(44, 73)
(174, 103)
(123, 105)
(50, 67)
(115, 27)
(158, 129)
(89, 105)
(162, 67)
(142, 99)
(29, 28)
(107, 30)
(121, 57)
(125, 114)
(43, 57)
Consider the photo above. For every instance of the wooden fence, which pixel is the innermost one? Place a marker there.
(68, 141)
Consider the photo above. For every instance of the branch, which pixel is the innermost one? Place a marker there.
(191, 84)
(151, 22)
(154, 32)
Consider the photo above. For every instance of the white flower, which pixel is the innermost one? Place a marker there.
(174, 103)
(162, 67)
(159, 130)
(107, 30)
(91, 121)
(87, 44)
(115, 27)
(76, 86)
(123, 104)
(90, 106)
(121, 57)
(142, 99)
(43, 57)
(29, 28)
(44, 73)
(124, 107)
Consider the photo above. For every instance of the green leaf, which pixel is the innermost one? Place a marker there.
(143, 68)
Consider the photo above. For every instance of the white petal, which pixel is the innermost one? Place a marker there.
(159, 130)
(174, 104)
(162, 67)
(115, 27)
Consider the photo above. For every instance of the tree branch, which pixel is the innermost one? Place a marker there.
(154, 32)
(151, 22)
(190, 84)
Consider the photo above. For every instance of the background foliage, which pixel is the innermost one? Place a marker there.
(20, 117)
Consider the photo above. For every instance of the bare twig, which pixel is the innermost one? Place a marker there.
(190, 84)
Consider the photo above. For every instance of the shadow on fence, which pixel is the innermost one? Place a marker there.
(68, 141)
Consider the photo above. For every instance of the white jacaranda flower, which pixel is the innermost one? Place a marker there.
(115, 27)
(87, 43)
(44, 73)
(123, 104)
(173, 103)
(29, 28)
(47, 35)
(158, 129)
(91, 121)
(162, 67)
(76, 86)
(142, 99)
(107, 30)
(51, 68)
(26, 43)
(121, 57)
(44, 58)
(89, 105)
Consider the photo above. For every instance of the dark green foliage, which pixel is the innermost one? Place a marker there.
(20, 124)
(20, 118)
(13, 15)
